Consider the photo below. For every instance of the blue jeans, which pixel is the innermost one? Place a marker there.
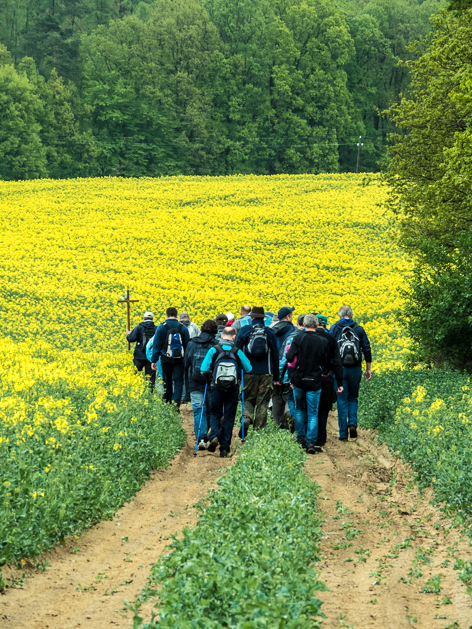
(223, 403)
(196, 398)
(306, 414)
(348, 400)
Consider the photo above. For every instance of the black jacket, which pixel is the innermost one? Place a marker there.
(136, 336)
(316, 355)
(197, 349)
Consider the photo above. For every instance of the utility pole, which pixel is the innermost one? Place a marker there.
(359, 144)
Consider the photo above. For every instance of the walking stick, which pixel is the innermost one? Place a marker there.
(201, 417)
(242, 404)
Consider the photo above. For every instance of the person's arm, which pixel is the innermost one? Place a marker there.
(337, 366)
(133, 336)
(185, 336)
(367, 351)
(189, 355)
(274, 351)
(156, 346)
(293, 351)
(240, 341)
(246, 365)
(206, 364)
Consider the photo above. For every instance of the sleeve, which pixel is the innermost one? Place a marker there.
(283, 359)
(134, 335)
(293, 351)
(240, 341)
(274, 353)
(206, 364)
(246, 365)
(156, 346)
(189, 355)
(365, 345)
(185, 336)
(337, 364)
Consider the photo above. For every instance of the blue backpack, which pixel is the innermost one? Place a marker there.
(150, 349)
(174, 344)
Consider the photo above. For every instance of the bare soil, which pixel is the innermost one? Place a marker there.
(395, 531)
(370, 505)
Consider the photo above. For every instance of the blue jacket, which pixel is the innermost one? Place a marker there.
(207, 361)
(160, 338)
(336, 331)
(286, 372)
(269, 365)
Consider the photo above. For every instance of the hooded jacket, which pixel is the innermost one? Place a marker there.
(282, 330)
(337, 328)
(269, 364)
(136, 336)
(160, 338)
(197, 349)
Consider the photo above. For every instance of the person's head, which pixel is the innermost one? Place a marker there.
(229, 334)
(230, 316)
(245, 310)
(184, 318)
(301, 322)
(171, 313)
(285, 313)
(221, 319)
(210, 326)
(257, 313)
(345, 312)
(322, 321)
(311, 322)
(148, 316)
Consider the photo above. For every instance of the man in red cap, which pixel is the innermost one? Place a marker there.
(259, 343)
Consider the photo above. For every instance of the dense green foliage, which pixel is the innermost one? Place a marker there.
(424, 415)
(64, 467)
(254, 546)
(200, 86)
(430, 192)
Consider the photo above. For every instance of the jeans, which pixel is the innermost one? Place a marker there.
(149, 373)
(173, 376)
(223, 403)
(348, 400)
(306, 430)
(196, 398)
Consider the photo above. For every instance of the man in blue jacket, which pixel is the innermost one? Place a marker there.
(226, 362)
(259, 344)
(170, 343)
(353, 343)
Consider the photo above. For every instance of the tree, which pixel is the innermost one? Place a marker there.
(22, 155)
(430, 190)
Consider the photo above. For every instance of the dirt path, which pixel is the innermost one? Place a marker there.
(378, 534)
(87, 587)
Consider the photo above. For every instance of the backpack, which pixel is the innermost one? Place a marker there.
(226, 367)
(257, 345)
(198, 357)
(349, 346)
(149, 348)
(174, 345)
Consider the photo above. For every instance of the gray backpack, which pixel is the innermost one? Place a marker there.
(226, 368)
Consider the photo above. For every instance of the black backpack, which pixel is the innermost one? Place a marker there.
(349, 345)
(198, 357)
(258, 345)
(226, 367)
(174, 345)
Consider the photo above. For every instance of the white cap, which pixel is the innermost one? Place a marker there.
(230, 316)
(148, 315)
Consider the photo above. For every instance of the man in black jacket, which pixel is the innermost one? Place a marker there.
(197, 349)
(141, 334)
(315, 356)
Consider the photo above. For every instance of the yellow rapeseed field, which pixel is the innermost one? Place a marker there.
(69, 249)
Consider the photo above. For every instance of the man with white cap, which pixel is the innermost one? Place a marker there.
(141, 334)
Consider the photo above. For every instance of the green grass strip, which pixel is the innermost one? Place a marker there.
(249, 562)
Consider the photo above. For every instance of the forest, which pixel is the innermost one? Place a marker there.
(201, 87)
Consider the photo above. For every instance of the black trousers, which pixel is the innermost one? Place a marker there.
(323, 411)
(173, 376)
(150, 374)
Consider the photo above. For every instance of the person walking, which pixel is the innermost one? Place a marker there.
(353, 344)
(283, 329)
(140, 335)
(221, 322)
(197, 349)
(285, 376)
(170, 342)
(259, 344)
(193, 330)
(243, 319)
(224, 362)
(328, 392)
(312, 351)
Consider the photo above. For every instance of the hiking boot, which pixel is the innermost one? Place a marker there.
(318, 449)
(342, 439)
(353, 432)
(302, 444)
(310, 448)
(246, 428)
(213, 445)
(224, 453)
(203, 445)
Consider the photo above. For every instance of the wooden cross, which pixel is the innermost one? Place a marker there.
(128, 301)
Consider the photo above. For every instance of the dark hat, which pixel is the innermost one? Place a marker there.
(221, 317)
(257, 313)
(284, 312)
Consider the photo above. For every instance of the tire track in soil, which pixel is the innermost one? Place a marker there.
(87, 589)
(378, 498)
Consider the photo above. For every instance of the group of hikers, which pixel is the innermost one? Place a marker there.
(299, 369)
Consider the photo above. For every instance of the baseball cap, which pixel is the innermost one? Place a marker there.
(322, 319)
(284, 312)
(148, 315)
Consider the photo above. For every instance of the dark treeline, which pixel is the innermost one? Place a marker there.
(110, 87)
